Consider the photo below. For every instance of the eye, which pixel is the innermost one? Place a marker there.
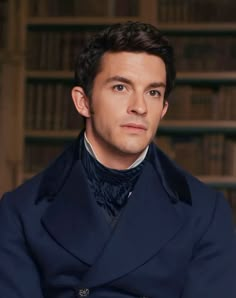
(119, 87)
(155, 93)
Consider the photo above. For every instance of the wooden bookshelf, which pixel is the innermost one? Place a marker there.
(51, 134)
(32, 19)
(183, 21)
(203, 28)
(11, 61)
(172, 28)
(75, 21)
(207, 77)
(36, 94)
(201, 126)
(49, 75)
(219, 181)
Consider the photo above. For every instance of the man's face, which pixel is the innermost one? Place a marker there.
(126, 107)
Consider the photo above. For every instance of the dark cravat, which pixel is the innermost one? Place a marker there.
(111, 188)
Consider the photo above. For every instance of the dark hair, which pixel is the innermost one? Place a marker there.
(127, 37)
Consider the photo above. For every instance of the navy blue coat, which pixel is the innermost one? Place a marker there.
(174, 239)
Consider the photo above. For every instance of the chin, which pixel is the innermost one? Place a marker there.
(134, 150)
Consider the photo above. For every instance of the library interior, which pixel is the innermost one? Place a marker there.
(38, 44)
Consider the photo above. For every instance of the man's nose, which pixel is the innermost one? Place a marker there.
(137, 104)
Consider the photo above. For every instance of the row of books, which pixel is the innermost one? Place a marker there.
(188, 102)
(57, 50)
(91, 8)
(3, 23)
(50, 107)
(187, 11)
(204, 53)
(168, 10)
(208, 154)
(38, 155)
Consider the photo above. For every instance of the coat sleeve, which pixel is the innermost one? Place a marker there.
(212, 271)
(18, 272)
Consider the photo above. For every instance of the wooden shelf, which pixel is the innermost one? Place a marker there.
(203, 28)
(207, 77)
(167, 127)
(219, 181)
(51, 134)
(10, 57)
(186, 126)
(49, 75)
(2, 55)
(77, 21)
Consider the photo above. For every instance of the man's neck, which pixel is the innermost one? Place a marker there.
(135, 163)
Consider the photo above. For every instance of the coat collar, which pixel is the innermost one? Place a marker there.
(148, 222)
(172, 178)
(74, 218)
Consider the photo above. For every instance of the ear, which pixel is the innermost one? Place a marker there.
(165, 108)
(81, 101)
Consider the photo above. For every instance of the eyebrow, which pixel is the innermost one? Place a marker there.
(119, 79)
(129, 82)
(157, 85)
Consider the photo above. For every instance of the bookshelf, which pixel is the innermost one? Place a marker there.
(40, 53)
(202, 119)
(52, 32)
(11, 57)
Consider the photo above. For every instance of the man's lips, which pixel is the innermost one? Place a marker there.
(134, 126)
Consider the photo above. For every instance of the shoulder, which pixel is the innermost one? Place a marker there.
(203, 196)
(188, 188)
(23, 194)
(43, 184)
(205, 207)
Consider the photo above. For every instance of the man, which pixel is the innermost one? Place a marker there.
(113, 216)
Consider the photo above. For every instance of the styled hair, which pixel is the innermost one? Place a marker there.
(136, 37)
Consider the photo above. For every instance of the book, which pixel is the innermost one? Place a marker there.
(3, 23)
(188, 153)
(201, 103)
(195, 11)
(179, 103)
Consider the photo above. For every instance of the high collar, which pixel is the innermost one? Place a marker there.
(91, 151)
(172, 178)
(148, 222)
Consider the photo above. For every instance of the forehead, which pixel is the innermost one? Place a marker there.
(133, 64)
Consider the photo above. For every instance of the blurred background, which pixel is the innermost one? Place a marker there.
(38, 45)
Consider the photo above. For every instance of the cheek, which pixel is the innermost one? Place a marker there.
(104, 119)
(108, 112)
(103, 104)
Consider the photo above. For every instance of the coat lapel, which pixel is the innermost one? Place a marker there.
(147, 223)
(74, 220)
(150, 219)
